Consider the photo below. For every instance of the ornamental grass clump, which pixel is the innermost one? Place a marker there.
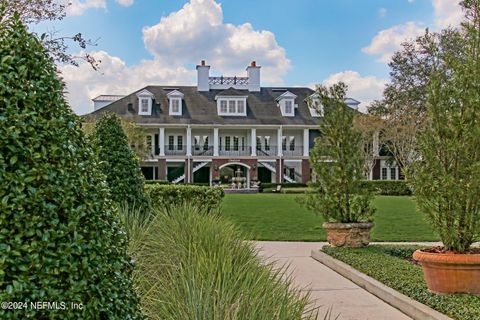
(337, 162)
(60, 236)
(194, 265)
(446, 179)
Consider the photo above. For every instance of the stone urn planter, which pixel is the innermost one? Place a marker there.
(354, 235)
(447, 272)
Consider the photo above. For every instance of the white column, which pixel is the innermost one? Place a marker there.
(189, 141)
(306, 142)
(161, 141)
(376, 144)
(279, 141)
(215, 142)
(253, 137)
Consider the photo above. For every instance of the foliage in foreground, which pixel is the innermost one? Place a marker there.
(193, 265)
(165, 197)
(386, 187)
(391, 266)
(118, 162)
(60, 239)
(337, 160)
(447, 179)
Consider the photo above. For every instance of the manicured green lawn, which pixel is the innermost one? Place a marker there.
(280, 217)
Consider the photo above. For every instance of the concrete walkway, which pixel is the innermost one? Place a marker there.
(328, 288)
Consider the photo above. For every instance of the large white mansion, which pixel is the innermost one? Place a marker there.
(226, 126)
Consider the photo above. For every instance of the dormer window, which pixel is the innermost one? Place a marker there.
(145, 100)
(231, 106)
(314, 106)
(286, 102)
(175, 98)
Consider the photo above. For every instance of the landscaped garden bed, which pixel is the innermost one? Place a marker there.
(393, 266)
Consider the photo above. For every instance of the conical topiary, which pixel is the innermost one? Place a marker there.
(119, 162)
(60, 241)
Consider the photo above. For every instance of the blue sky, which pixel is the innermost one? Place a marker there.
(301, 42)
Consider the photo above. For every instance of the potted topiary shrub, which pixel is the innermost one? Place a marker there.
(337, 162)
(446, 180)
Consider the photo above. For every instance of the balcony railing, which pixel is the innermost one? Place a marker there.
(235, 151)
(296, 151)
(202, 150)
(175, 150)
(228, 80)
(266, 151)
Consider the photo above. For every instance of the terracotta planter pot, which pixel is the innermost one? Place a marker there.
(352, 235)
(450, 273)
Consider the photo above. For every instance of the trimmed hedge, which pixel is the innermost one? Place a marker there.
(386, 187)
(392, 266)
(60, 236)
(166, 196)
(268, 187)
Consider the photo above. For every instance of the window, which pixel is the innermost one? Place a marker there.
(393, 173)
(144, 105)
(292, 143)
(179, 143)
(288, 107)
(235, 143)
(384, 174)
(259, 143)
(175, 106)
(205, 142)
(243, 144)
(149, 144)
(223, 106)
(227, 143)
(240, 106)
(231, 106)
(284, 143)
(171, 142)
(267, 143)
(196, 142)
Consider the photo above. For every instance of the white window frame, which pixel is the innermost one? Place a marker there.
(145, 95)
(315, 107)
(232, 104)
(171, 105)
(388, 166)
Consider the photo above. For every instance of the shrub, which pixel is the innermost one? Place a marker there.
(196, 266)
(167, 196)
(338, 163)
(447, 180)
(118, 161)
(268, 187)
(157, 182)
(60, 238)
(386, 187)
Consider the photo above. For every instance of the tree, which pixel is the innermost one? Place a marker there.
(447, 179)
(60, 237)
(119, 163)
(369, 127)
(36, 11)
(337, 161)
(135, 134)
(403, 106)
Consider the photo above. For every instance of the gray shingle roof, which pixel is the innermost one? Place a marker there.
(201, 107)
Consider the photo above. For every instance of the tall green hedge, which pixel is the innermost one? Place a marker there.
(118, 162)
(60, 240)
(167, 196)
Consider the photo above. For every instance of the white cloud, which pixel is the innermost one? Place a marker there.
(115, 77)
(382, 12)
(125, 3)
(363, 88)
(197, 31)
(387, 41)
(183, 38)
(78, 7)
(447, 13)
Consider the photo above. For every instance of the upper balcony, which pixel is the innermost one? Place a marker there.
(233, 81)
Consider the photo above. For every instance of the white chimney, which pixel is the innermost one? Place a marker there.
(253, 77)
(203, 72)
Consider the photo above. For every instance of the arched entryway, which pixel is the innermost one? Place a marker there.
(230, 172)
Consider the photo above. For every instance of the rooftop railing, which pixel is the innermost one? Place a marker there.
(228, 80)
